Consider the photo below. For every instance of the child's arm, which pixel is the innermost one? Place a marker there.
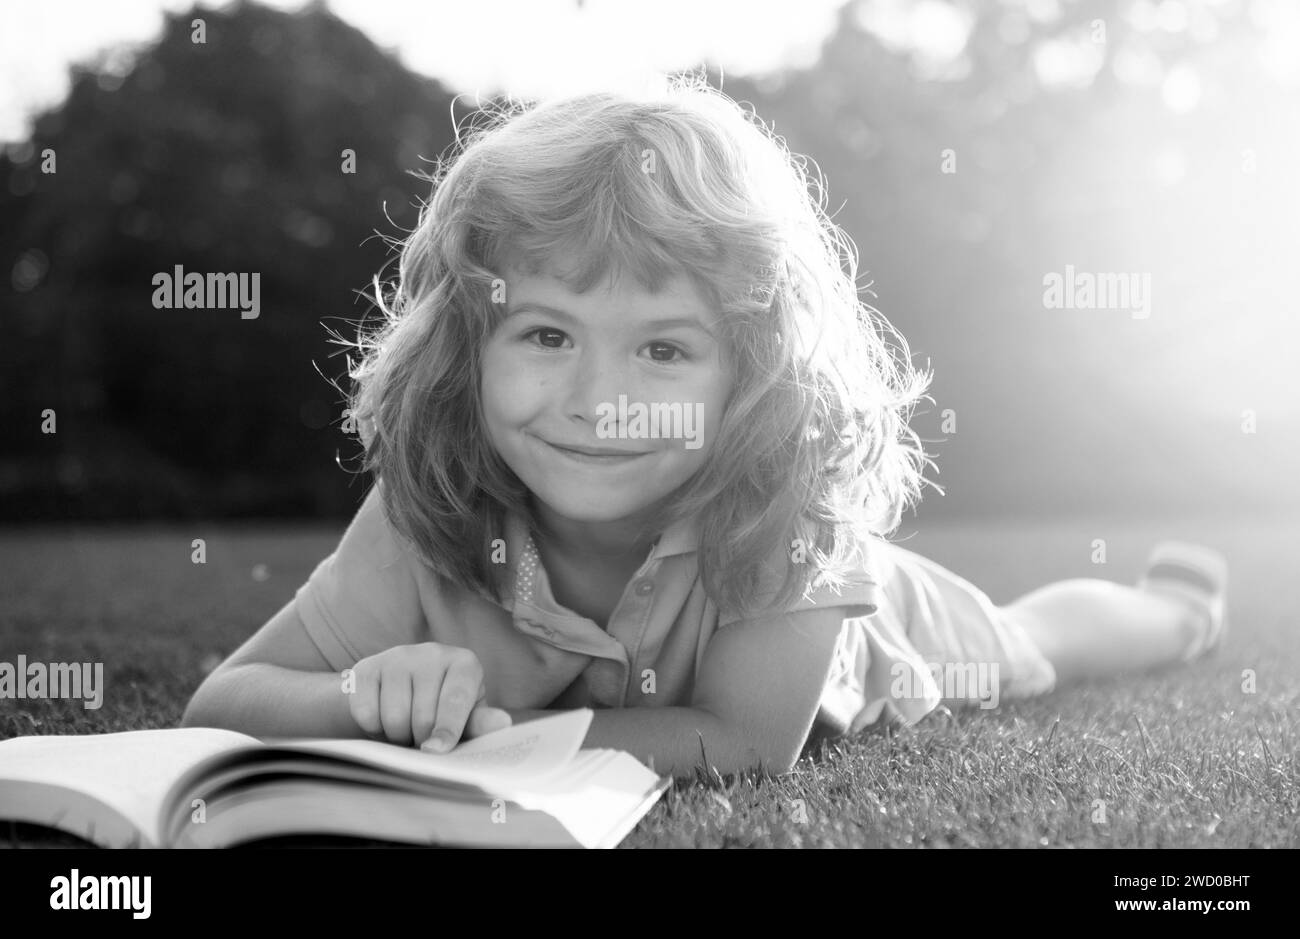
(275, 684)
(756, 695)
(287, 679)
(278, 684)
(671, 740)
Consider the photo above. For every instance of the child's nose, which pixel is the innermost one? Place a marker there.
(596, 380)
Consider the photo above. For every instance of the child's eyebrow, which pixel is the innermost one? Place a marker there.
(670, 322)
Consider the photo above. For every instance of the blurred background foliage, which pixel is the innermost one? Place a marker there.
(1169, 147)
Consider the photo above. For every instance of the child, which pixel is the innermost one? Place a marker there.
(637, 444)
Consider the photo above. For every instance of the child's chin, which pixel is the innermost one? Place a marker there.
(590, 505)
(586, 511)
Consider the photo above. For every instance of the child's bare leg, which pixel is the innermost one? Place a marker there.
(1088, 628)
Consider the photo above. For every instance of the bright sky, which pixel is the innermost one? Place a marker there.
(529, 47)
(537, 48)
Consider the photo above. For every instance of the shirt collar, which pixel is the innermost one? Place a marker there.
(525, 563)
(678, 538)
(681, 537)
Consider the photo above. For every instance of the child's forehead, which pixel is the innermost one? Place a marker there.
(561, 275)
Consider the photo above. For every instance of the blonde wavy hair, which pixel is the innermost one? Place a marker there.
(813, 454)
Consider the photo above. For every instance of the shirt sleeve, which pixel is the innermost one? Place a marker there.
(876, 669)
(859, 597)
(364, 597)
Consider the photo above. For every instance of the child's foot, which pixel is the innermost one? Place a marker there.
(1196, 573)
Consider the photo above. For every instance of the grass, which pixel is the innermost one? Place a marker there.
(1184, 757)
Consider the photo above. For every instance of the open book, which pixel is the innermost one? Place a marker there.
(528, 785)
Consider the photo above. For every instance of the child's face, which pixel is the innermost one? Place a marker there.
(553, 374)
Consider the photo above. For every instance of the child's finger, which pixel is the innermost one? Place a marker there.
(363, 702)
(395, 706)
(425, 688)
(462, 686)
(484, 720)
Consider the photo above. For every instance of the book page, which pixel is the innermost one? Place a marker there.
(528, 751)
(131, 772)
(600, 805)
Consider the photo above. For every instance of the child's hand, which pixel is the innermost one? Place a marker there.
(407, 694)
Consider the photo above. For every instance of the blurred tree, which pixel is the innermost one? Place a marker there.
(219, 157)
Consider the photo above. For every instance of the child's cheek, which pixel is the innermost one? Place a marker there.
(512, 388)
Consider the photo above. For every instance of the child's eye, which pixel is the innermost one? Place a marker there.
(671, 348)
(662, 352)
(551, 334)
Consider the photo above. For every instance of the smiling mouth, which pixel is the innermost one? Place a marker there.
(596, 456)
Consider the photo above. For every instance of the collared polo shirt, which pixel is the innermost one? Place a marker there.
(373, 592)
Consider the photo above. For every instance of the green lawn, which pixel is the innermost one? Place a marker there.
(1182, 758)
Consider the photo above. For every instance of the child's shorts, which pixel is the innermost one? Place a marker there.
(936, 638)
